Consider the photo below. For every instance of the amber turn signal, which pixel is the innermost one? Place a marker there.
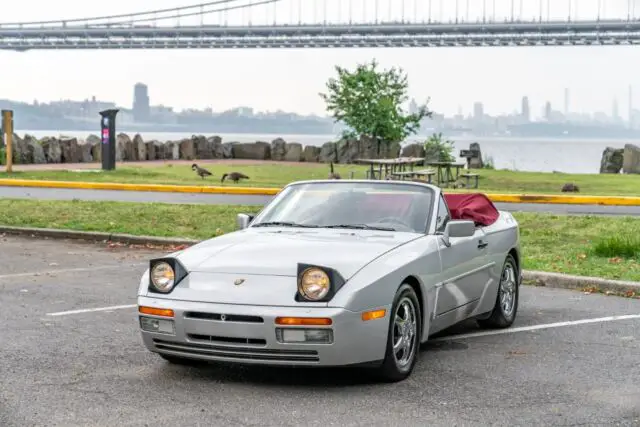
(304, 321)
(164, 312)
(375, 314)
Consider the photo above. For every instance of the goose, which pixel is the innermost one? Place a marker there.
(234, 176)
(202, 172)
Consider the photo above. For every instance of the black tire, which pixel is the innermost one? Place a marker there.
(393, 370)
(500, 318)
(183, 361)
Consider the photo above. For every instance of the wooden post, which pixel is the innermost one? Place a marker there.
(7, 126)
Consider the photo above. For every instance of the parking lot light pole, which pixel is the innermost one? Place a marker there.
(7, 130)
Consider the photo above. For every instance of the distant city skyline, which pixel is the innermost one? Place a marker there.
(290, 80)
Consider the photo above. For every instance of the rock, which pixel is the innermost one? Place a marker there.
(158, 150)
(294, 152)
(187, 149)
(347, 150)
(475, 162)
(227, 150)
(150, 150)
(139, 148)
(21, 153)
(328, 153)
(631, 159)
(412, 150)
(207, 148)
(570, 188)
(70, 150)
(85, 152)
(278, 149)
(612, 160)
(52, 150)
(96, 151)
(216, 143)
(36, 151)
(311, 154)
(259, 150)
(94, 139)
(124, 147)
(172, 150)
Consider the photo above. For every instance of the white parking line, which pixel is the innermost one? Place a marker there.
(70, 270)
(91, 310)
(538, 327)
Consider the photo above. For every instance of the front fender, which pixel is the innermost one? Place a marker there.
(375, 285)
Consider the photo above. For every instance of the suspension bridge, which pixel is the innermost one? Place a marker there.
(238, 24)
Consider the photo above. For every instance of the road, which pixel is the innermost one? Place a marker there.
(64, 367)
(148, 196)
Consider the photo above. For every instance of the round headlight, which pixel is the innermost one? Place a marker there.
(162, 276)
(314, 284)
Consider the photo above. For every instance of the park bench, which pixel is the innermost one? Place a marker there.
(428, 173)
(468, 176)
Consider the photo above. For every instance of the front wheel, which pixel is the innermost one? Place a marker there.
(403, 338)
(508, 295)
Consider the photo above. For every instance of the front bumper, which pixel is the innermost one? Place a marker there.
(247, 334)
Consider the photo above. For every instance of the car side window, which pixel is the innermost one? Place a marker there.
(443, 215)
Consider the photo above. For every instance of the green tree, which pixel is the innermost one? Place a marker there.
(369, 102)
(439, 149)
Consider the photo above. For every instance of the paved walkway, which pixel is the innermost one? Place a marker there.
(233, 199)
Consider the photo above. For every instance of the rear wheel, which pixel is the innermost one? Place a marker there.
(403, 338)
(506, 306)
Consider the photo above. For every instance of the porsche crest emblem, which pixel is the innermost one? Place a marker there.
(238, 282)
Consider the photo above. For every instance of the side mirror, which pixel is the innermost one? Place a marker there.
(243, 221)
(458, 228)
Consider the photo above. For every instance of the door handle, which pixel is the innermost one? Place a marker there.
(482, 244)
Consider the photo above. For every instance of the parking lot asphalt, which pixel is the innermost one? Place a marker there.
(86, 366)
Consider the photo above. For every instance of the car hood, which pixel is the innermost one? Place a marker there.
(277, 251)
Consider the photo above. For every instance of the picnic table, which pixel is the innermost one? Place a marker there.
(391, 166)
(443, 170)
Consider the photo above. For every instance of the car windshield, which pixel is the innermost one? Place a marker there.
(355, 205)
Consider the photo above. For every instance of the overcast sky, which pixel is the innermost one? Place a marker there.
(291, 79)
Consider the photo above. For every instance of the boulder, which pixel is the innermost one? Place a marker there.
(412, 150)
(150, 150)
(85, 152)
(96, 151)
(278, 149)
(158, 150)
(124, 148)
(254, 150)
(187, 149)
(70, 150)
(294, 152)
(612, 160)
(631, 159)
(227, 150)
(139, 148)
(20, 151)
(311, 154)
(328, 153)
(475, 162)
(216, 146)
(36, 152)
(347, 150)
(370, 148)
(52, 150)
(94, 139)
(172, 150)
(207, 148)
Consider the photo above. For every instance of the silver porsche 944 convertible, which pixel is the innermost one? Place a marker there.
(336, 272)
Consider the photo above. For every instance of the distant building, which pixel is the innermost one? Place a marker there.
(140, 103)
(526, 111)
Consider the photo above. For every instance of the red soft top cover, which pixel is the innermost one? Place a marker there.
(472, 206)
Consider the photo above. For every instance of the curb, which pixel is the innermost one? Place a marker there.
(162, 188)
(96, 236)
(271, 191)
(539, 278)
(586, 283)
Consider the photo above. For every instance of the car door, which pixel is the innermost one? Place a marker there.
(464, 266)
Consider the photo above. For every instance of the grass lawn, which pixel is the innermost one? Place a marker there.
(277, 175)
(582, 245)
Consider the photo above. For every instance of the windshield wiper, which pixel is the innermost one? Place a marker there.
(360, 227)
(283, 224)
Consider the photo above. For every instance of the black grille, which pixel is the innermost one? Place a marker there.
(232, 340)
(221, 317)
(212, 351)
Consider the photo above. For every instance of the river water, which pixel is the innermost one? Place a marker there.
(523, 154)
